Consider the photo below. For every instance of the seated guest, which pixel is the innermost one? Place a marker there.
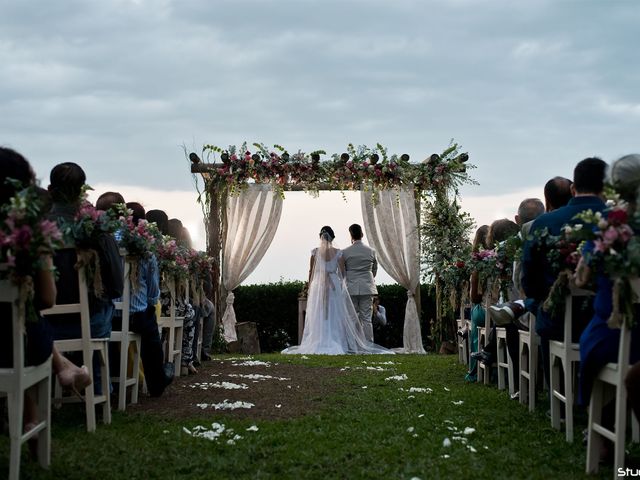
(475, 294)
(66, 188)
(109, 200)
(537, 271)
(144, 296)
(39, 340)
(160, 218)
(599, 343)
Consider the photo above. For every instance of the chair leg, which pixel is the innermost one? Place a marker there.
(15, 404)
(136, 370)
(568, 395)
(594, 442)
(122, 377)
(554, 380)
(620, 427)
(44, 414)
(533, 376)
(178, 350)
(106, 384)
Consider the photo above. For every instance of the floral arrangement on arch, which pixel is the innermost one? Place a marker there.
(359, 167)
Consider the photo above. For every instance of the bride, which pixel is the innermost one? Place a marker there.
(331, 325)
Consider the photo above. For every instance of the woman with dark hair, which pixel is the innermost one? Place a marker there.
(476, 294)
(331, 325)
(39, 344)
(160, 218)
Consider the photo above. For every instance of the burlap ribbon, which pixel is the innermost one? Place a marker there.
(89, 259)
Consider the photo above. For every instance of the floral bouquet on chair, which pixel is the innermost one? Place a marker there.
(24, 238)
(616, 254)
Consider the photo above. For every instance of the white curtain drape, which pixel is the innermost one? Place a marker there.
(391, 226)
(252, 221)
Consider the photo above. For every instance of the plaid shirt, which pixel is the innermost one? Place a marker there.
(148, 288)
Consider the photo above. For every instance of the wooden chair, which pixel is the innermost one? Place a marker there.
(87, 345)
(15, 380)
(528, 350)
(463, 354)
(607, 386)
(174, 328)
(126, 340)
(564, 356)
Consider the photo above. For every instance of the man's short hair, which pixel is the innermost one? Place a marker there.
(356, 231)
(557, 192)
(588, 176)
(530, 209)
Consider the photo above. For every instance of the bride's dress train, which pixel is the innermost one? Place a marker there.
(331, 325)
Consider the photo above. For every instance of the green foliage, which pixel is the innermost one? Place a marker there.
(274, 308)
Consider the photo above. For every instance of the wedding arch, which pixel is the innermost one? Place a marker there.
(242, 204)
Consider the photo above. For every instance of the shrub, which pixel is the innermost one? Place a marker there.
(274, 308)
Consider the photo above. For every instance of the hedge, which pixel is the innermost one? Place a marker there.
(274, 308)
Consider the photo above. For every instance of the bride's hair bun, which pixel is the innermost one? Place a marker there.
(327, 232)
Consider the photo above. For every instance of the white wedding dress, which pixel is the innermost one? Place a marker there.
(331, 324)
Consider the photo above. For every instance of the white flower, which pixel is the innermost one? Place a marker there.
(410, 429)
(252, 428)
(398, 377)
(446, 442)
(577, 227)
(469, 430)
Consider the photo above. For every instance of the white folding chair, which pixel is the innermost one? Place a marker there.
(87, 345)
(125, 338)
(528, 350)
(503, 362)
(174, 327)
(484, 371)
(564, 356)
(608, 386)
(15, 380)
(462, 343)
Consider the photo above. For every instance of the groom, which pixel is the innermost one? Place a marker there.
(361, 266)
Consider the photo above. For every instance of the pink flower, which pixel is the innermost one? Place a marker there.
(610, 235)
(599, 246)
(625, 232)
(22, 237)
(50, 230)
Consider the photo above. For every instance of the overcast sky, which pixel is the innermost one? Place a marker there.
(528, 88)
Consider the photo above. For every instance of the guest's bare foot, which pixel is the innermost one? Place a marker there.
(73, 377)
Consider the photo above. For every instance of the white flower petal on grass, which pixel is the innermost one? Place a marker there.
(420, 390)
(485, 447)
(251, 363)
(452, 429)
(226, 405)
(398, 377)
(186, 430)
(411, 396)
(445, 456)
(446, 442)
(448, 421)
(469, 430)
(165, 431)
(459, 402)
(415, 435)
(278, 405)
(202, 405)
(410, 429)
(421, 415)
(471, 449)
(252, 428)
(256, 376)
(446, 389)
(364, 386)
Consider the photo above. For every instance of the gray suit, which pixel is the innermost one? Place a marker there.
(361, 266)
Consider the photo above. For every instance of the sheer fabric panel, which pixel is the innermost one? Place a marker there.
(392, 229)
(252, 221)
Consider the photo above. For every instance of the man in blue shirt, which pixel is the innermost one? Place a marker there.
(537, 273)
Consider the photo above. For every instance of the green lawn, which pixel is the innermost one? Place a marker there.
(373, 432)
